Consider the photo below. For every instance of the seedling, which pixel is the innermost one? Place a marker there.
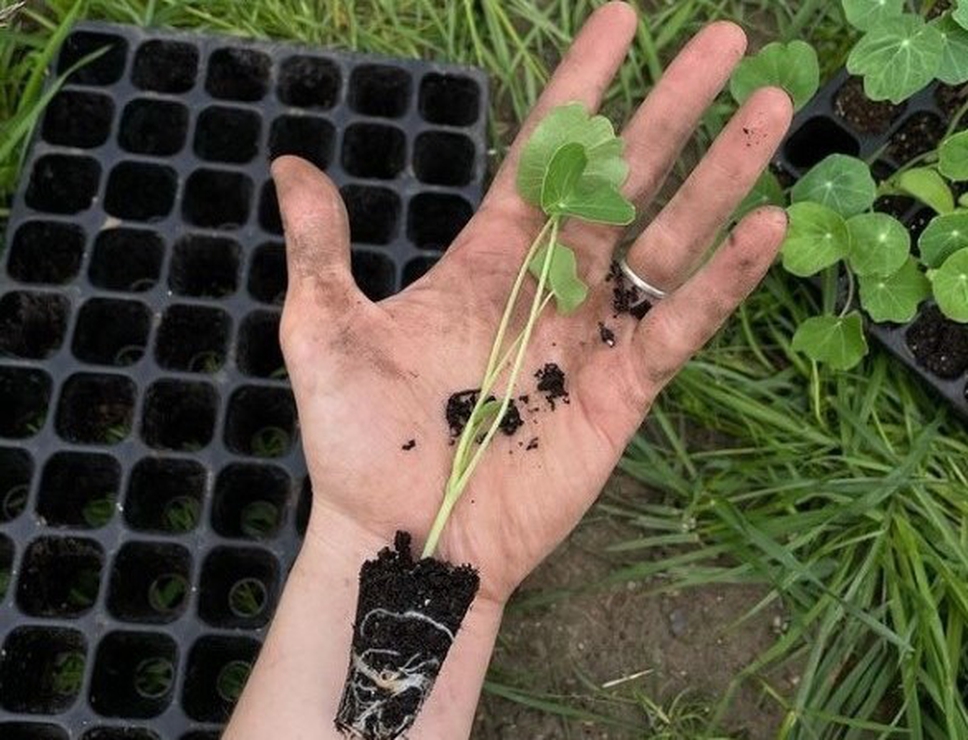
(98, 511)
(259, 519)
(129, 355)
(167, 593)
(231, 680)
(115, 434)
(153, 678)
(270, 442)
(206, 362)
(13, 503)
(181, 514)
(247, 598)
(83, 592)
(67, 673)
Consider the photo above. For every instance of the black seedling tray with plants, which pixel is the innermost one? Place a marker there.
(841, 120)
(152, 489)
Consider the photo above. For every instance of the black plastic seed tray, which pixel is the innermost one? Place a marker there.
(841, 121)
(152, 488)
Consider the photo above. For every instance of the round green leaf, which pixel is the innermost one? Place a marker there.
(841, 183)
(954, 56)
(834, 340)
(954, 157)
(950, 283)
(897, 297)
(898, 57)
(944, 236)
(564, 171)
(879, 244)
(793, 66)
(817, 238)
(865, 14)
(960, 14)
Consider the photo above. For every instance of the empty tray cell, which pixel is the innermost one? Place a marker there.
(42, 670)
(6, 565)
(217, 200)
(134, 675)
(106, 69)
(79, 490)
(205, 267)
(374, 150)
(31, 731)
(119, 733)
(380, 90)
(238, 74)
(218, 668)
(309, 82)
(261, 422)
(32, 325)
(200, 735)
(919, 134)
(112, 332)
(817, 139)
(155, 127)
(250, 501)
(862, 113)
(939, 344)
(303, 136)
(16, 471)
(96, 409)
(165, 496)
(268, 275)
(141, 191)
(416, 269)
(305, 506)
(374, 213)
(24, 398)
(227, 135)
(150, 583)
(260, 355)
(179, 415)
(46, 252)
(128, 260)
(435, 219)
(78, 119)
(441, 158)
(375, 274)
(193, 339)
(165, 66)
(60, 577)
(238, 587)
(63, 184)
(450, 100)
(270, 219)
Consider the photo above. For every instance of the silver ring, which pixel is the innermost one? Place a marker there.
(651, 293)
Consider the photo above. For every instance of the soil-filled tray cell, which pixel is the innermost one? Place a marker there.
(60, 577)
(134, 675)
(938, 344)
(860, 113)
(165, 496)
(96, 409)
(205, 267)
(63, 184)
(46, 253)
(374, 151)
(193, 339)
(449, 100)
(416, 269)
(238, 587)
(120, 733)
(179, 416)
(32, 325)
(41, 670)
(7, 552)
(375, 274)
(238, 74)
(25, 400)
(305, 507)
(435, 219)
(155, 127)
(106, 69)
(250, 501)
(920, 134)
(268, 274)
(441, 158)
(16, 472)
(261, 422)
(31, 731)
(150, 583)
(215, 199)
(816, 140)
(380, 90)
(270, 219)
(141, 192)
(127, 260)
(308, 137)
(259, 353)
(218, 668)
(111, 332)
(79, 490)
(374, 213)
(78, 119)
(309, 82)
(950, 99)
(165, 66)
(227, 135)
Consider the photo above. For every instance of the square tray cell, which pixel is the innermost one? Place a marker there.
(374, 213)
(25, 400)
(938, 344)
(78, 119)
(238, 587)
(16, 473)
(218, 668)
(96, 409)
(165, 66)
(268, 274)
(111, 332)
(373, 150)
(380, 90)
(32, 325)
(308, 137)
(120, 733)
(205, 267)
(449, 100)
(139, 191)
(259, 353)
(270, 219)
(63, 184)
(250, 501)
(261, 422)
(309, 82)
(46, 252)
(179, 415)
(79, 490)
(31, 731)
(217, 199)
(417, 268)
(150, 583)
(238, 74)
(41, 670)
(7, 552)
(305, 506)
(155, 127)
(225, 134)
(165, 496)
(60, 577)
(375, 274)
(134, 675)
(816, 140)
(126, 260)
(435, 219)
(441, 158)
(193, 339)
(106, 69)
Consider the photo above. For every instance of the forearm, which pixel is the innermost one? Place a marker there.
(297, 682)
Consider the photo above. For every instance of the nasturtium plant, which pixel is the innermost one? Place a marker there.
(896, 297)
(818, 237)
(563, 281)
(925, 184)
(960, 14)
(837, 341)
(843, 184)
(879, 245)
(954, 54)
(953, 157)
(867, 14)
(897, 57)
(944, 236)
(950, 286)
(793, 67)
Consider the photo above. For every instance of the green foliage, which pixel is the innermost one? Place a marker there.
(879, 245)
(954, 57)
(818, 237)
(181, 514)
(896, 297)
(842, 183)
(259, 519)
(231, 680)
(563, 281)
(154, 677)
(247, 598)
(897, 57)
(953, 157)
(867, 14)
(925, 184)
(168, 592)
(67, 673)
(837, 341)
(950, 284)
(960, 14)
(944, 236)
(793, 67)
(98, 511)
(270, 442)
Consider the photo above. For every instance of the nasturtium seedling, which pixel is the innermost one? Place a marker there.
(960, 14)
(944, 236)
(925, 184)
(879, 244)
(837, 341)
(953, 157)
(897, 57)
(954, 53)
(569, 290)
(896, 297)
(818, 237)
(950, 285)
(842, 183)
(793, 67)
(866, 14)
